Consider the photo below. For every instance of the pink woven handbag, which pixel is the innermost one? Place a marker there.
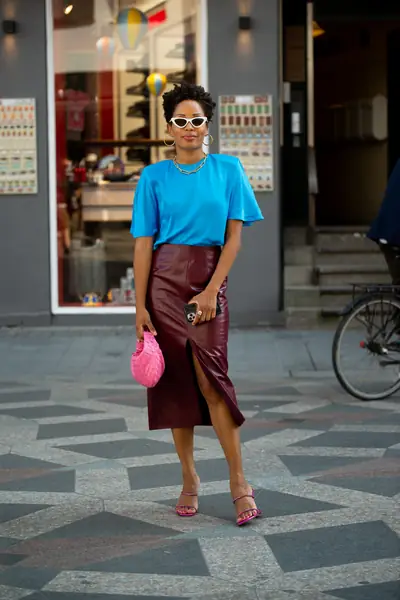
(147, 362)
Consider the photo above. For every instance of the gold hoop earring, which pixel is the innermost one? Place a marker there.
(210, 137)
(169, 145)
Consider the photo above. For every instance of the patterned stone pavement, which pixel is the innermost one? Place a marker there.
(87, 492)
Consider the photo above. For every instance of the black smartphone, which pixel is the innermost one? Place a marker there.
(191, 309)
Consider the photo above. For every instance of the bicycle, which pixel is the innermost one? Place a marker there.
(381, 342)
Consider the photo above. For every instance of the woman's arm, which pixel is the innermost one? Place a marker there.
(142, 258)
(228, 255)
(207, 300)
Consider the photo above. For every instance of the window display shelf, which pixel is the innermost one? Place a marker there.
(108, 202)
(124, 143)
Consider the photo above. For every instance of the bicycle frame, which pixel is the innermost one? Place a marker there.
(378, 291)
(369, 289)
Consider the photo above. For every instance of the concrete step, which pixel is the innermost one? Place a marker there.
(342, 228)
(295, 236)
(298, 275)
(335, 296)
(302, 296)
(353, 257)
(331, 312)
(341, 275)
(299, 255)
(345, 242)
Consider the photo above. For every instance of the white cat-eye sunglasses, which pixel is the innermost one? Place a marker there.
(181, 122)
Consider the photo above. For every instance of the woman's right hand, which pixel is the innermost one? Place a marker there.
(143, 323)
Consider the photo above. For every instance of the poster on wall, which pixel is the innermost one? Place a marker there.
(245, 131)
(18, 146)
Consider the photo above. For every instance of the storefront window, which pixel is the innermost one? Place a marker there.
(112, 59)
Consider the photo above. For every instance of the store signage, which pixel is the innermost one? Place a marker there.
(18, 146)
(246, 131)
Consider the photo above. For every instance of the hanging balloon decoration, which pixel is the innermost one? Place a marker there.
(132, 25)
(156, 83)
(105, 47)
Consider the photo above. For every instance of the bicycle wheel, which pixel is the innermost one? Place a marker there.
(369, 332)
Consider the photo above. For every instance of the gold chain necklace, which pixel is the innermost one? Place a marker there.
(201, 165)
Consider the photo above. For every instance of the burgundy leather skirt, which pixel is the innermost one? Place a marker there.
(178, 273)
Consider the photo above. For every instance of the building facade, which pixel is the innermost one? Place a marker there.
(83, 122)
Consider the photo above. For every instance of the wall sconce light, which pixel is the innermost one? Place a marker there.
(10, 27)
(68, 6)
(245, 23)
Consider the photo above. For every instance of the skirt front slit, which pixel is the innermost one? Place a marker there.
(178, 273)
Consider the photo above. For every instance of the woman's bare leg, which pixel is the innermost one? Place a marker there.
(184, 444)
(229, 437)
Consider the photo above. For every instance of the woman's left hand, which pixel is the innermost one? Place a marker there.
(206, 306)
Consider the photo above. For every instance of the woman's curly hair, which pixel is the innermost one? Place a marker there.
(187, 91)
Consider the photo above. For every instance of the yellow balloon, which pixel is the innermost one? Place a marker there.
(132, 26)
(156, 83)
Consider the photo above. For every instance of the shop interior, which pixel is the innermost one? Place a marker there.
(113, 59)
(346, 98)
(356, 136)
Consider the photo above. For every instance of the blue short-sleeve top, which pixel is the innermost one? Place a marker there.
(193, 210)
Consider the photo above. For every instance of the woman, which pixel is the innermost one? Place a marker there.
(187, 220)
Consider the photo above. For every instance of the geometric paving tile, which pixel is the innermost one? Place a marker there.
(170, 474)
(105, 524)
(284, 390)
(305, 465)
(15, 461)
(298, 422)
(251, 430)
(102, 393)
(55, 481)
(119, 400)
(122, 448)
(387, 485)
(26, 577)
(77, 596)
(27, 396)
(278, 504)
(351, 439)
(340, 412)
(130, 558)
(8, 512)
(7, 560)
(80, 428)
(182, 557)
(376, 591)
(123, 397)
(12, 384)
(333, 546)
(7, 542)
(262, 405)
(388, 419)
(39, 412)
(274, 504)
(392, 453)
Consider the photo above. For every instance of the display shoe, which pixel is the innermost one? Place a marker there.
(133, 67)
(139, 109)
(138, 154)
(188, 75)
(176, 77)
(138, 90)
(140, 132)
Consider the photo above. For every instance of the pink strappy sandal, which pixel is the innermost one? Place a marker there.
(256, 511)
(180, 508)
